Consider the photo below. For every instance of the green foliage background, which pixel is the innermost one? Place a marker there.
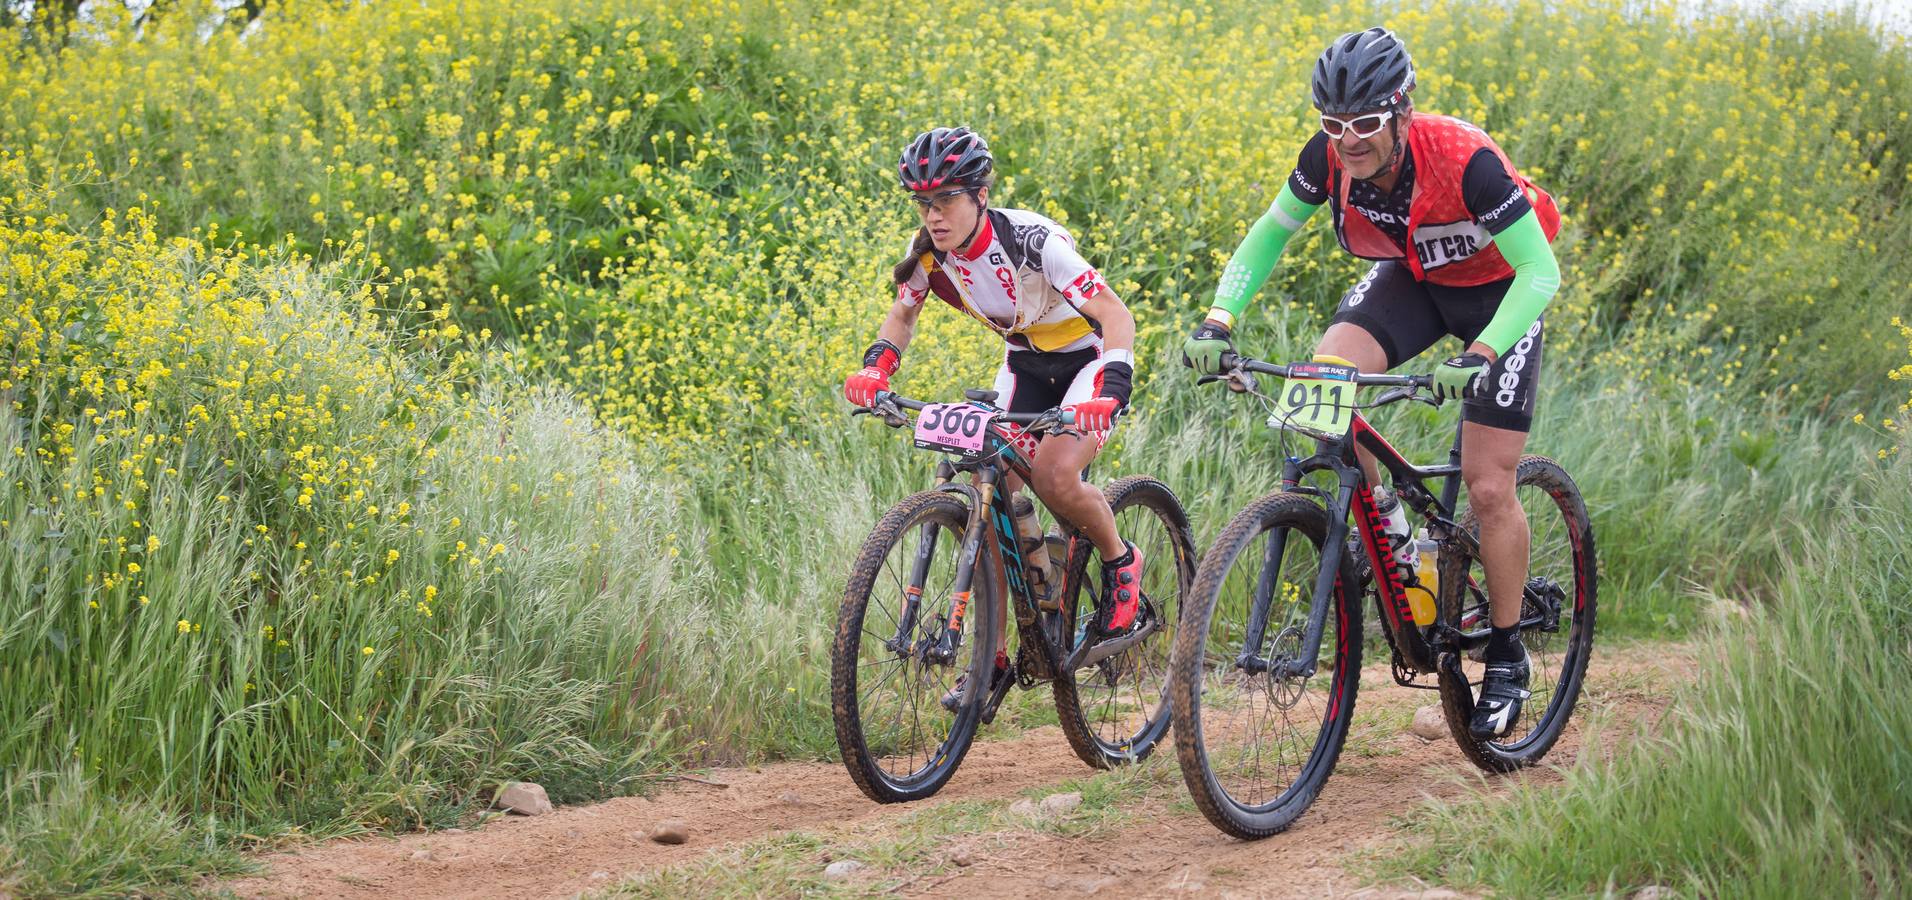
(401, 398)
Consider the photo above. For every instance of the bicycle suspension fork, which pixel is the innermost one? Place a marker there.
(1304, 661)
(944, 646)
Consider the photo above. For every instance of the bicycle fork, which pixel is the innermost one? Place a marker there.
(1305, 660)
(942, 646)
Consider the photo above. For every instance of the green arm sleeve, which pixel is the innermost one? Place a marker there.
(1536, 278)
(1259, 251)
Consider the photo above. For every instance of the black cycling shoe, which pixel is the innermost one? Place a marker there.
(953, 698)
(1501, 693)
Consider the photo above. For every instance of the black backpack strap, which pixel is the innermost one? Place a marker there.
(1012, 242)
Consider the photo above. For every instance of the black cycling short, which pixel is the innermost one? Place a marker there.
(1407, 316)
(1032, 380)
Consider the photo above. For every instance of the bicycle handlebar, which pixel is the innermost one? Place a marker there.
(1237, 361)
(1056, 417)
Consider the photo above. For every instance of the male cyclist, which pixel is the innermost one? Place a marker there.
(1068, 339)
(1460, 243)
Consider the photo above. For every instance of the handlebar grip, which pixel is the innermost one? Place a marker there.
(1067, 417)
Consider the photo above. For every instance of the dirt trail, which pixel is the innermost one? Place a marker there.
(1160, 844)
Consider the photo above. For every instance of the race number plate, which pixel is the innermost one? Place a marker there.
(1316, 399)
(954, 427)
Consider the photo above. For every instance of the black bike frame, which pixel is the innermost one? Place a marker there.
(1419, 645)
(1421, 648)
(990, 513)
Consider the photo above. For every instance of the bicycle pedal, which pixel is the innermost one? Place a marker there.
(1090, 654)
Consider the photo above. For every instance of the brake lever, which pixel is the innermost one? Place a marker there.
(1393, 394)
(1238, 380)
(886, 410)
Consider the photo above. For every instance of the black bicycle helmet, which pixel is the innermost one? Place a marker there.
(945, 156)
(1362, 71)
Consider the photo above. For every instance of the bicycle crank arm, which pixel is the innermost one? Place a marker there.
(1090, 654)
(1450, 665)
(995, 696)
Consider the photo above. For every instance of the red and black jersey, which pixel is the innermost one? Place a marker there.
(1456, 190)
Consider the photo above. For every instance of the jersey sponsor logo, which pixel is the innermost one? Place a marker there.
(1306, 185)
(1086, 285)
(1438, 245)
(1007, 279)
(1500, 210)
(1381, 217)
(1359, 292)
(1509, 381)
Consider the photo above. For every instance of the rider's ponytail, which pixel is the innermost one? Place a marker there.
(919, 246)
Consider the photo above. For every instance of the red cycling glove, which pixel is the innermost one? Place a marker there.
(1111, 394)
(879, 363)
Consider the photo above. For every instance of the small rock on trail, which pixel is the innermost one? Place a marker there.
(841, 869)
(1430, 724)
(523, 798)
(670, 831)
(1061, 804)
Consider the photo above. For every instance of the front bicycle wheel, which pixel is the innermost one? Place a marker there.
(902, 724)
(1258, 727)
(1557, 613)
(1116, 710)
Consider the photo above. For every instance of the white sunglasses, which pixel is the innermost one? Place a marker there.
(1366, 126)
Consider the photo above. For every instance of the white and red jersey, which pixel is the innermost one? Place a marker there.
(1022, 277)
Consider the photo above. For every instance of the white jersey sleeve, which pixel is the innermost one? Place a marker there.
(1068, 272)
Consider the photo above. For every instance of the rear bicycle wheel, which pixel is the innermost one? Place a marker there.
(1116, 710)
(887, 681)
(1256, 747)
(1557, 610)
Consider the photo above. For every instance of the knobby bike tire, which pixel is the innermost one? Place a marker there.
(1564, 680)
(1102, 735)
(1245, 534)
(948, 513)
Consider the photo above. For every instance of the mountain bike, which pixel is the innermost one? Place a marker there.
(1268, 661)
(922, 623)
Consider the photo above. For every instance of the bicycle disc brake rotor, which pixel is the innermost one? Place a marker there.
(1285, 691)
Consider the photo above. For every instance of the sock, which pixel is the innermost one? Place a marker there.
(1503, 645)
(1128, 556)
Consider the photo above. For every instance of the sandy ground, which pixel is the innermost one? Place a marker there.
(1164, 847)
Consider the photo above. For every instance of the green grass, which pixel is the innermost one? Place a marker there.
(63, 837)
(651, 611)
(1782, 772)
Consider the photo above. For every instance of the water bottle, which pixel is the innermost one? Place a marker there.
(1425, 587)
(1394, 522)
(1035, 548)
